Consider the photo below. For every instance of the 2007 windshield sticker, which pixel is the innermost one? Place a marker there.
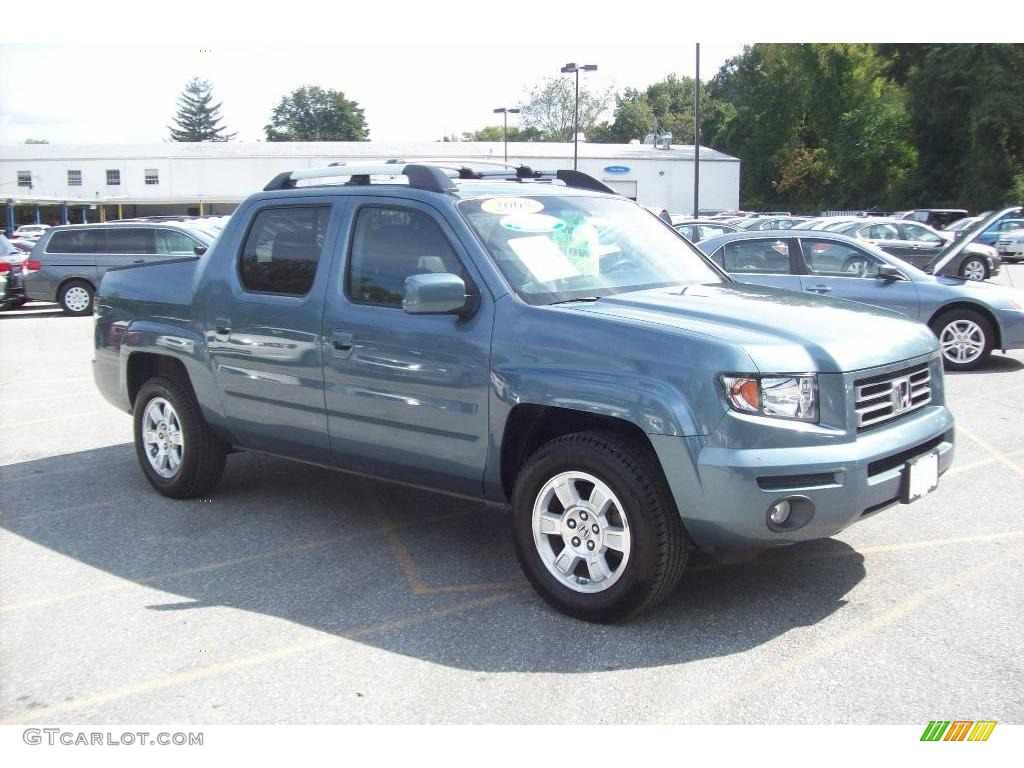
(504, 205)
(532, 222)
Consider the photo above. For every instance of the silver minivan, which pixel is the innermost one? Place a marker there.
(67, 263)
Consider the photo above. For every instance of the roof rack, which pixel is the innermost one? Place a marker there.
(436, 176)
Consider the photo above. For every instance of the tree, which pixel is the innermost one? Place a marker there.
(550, 105)
(197, 119)
(496, 133)
(311, 113)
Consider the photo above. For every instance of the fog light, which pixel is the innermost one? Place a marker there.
(780, 512)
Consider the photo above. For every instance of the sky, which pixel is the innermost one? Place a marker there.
(89, 95)
(421, 69)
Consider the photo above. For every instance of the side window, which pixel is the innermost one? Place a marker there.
(389, 245)
(883, 232)
(920, 234)
(767, 257)
(175, 243)
(832, 259)
(282, 249)
(76, 241)
(130, 241)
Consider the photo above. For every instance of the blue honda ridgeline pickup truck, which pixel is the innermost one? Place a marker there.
(526, 338)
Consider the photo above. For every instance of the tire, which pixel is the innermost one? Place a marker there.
(974, 268)
(201, 455)
(75, 297)
(640, 537)
(965, 337)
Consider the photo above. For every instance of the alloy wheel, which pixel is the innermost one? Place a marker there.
(962, 341)
(163, 438)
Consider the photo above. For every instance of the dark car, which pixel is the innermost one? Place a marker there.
(921, 246)
(933, 217)
(12, 287)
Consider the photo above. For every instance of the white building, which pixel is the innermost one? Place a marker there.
(51, 182)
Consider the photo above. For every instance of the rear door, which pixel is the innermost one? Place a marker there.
(844, 271)
(263, 321)
(922, 244)
(406, 394)
(762, 261)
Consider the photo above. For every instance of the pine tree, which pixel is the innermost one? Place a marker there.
(197, 119)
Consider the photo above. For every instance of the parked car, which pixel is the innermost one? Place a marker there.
(933, 217)
(549, 346)
(12, 290)
(68, 262)
(921, 245)
(969, 318)
(31, 231)
(695, 230)
(825, 222)
(1011, 245)
(991, 234)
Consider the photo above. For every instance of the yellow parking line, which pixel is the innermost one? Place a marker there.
(958, 468)
(999, 455)
(827, 647)
(215, 566)
(244, 662)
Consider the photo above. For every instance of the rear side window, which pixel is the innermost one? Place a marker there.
(282, 249)
(130, 241)
(769, 257)
(77, 241)
(172, 242)
(389, 245)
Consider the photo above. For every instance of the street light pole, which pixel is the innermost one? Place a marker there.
(572, 68)
(506, 112)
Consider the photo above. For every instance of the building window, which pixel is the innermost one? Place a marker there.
(152, 176)
(113, 178)
(24, 178)
(74, 178)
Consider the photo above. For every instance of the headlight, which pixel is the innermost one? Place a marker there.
(779, 396)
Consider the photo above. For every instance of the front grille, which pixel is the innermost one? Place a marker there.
(882, 398)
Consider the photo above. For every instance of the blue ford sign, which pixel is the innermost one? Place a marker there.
(616, 169)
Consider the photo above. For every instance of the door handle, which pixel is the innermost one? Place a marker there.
(819, 289)
(139, 261)
(342, 343)
(222, 325)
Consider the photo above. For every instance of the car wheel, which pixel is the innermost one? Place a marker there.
(974, 269)
(595, 527)
(856, 265)
(965, 337)
(179, 453)
(75, 297)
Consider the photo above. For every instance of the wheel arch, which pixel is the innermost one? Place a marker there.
(143, 366)
(531, 425)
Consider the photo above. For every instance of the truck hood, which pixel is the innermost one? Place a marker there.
(781, 331)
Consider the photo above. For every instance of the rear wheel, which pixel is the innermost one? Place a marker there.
(75, 297)
(965, 337)
(595, 527)
(974, 268)
(177, 450)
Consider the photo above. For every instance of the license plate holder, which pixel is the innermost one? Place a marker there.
(921, 477)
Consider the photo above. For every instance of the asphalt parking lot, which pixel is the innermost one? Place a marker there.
(298, 595)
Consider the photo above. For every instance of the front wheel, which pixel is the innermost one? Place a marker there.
(595, 527)
(965, 337)
(177, 450)
(974, 269)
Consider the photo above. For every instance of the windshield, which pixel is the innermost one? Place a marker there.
(555, 249)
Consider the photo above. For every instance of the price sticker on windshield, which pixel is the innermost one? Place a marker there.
(502, 206)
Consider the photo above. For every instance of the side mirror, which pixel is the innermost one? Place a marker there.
(437, 294)
(200, 250)
(890, 274)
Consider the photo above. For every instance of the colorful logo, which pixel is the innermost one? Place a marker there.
(958, 730)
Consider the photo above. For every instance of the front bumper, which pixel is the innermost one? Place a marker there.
(724, 495)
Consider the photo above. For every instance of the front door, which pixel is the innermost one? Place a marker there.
(406, 394)
(844, 271)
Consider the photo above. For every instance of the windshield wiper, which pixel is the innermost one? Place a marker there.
(570, 301)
